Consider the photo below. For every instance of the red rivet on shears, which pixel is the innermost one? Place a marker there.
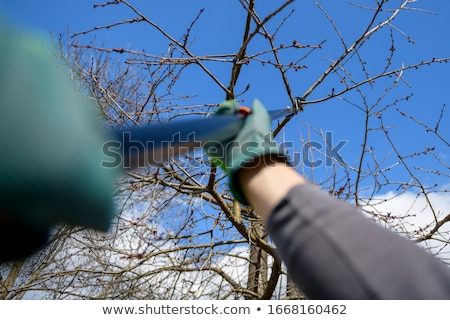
(244, 110)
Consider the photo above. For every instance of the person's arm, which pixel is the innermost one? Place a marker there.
(331, 250)
(51, 149)
(265, 182)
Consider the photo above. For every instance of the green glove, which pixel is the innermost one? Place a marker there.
(253, 141)
(50, 143)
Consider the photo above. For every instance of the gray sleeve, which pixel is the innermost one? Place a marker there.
(333, 252)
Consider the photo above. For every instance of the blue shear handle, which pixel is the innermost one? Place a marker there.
(153, 144)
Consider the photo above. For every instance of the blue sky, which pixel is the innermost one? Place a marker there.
(219, 32)
(219, 29)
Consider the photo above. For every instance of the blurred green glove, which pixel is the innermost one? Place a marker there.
(50, 143)
(253, 141)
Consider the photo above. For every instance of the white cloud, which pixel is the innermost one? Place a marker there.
(415, 216)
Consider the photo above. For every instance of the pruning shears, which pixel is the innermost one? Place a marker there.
(158, 143)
